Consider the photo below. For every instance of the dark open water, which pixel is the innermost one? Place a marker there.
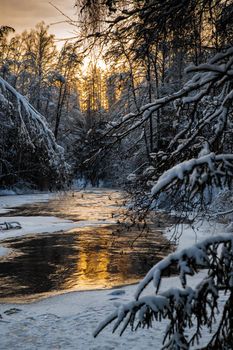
(102, 256)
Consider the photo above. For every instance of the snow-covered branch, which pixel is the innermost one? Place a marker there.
(185, 307)
(206, 77)
(209, 162)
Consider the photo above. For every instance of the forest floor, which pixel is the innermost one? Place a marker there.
(67, 321)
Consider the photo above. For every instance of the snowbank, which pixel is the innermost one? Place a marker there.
(35, 224)
(188, 236)
(7, 192)
(67, 322)
(14, 200)
(4, 251)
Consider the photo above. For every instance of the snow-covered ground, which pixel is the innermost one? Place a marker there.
(189, 236)
(31, 224)
(67, 321)
(14, 200)
(34, 225)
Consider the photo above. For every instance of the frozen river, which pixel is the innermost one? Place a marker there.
(98, 252)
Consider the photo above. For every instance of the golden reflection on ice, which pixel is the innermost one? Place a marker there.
(99, 253)
(93, 268)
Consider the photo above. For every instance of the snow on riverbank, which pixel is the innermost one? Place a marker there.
(43, 224)
(34, 225)
(4, 251)
(30, 224)
(189, 236)
(67, 321)
(37, 224)
(17, 200)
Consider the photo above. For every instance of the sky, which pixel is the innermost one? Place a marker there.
(25, 14)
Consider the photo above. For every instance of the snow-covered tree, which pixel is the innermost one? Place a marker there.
(65, 78)
(27, 144)
(48, 79)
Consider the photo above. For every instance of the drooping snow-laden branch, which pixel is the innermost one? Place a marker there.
(186, 308)
(34, 129)
(207, 166)
(207, 76)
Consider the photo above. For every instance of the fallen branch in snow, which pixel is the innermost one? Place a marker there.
(222, 213)
(10, 225)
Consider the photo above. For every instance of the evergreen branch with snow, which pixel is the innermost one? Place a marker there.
(196, 309)
(199, 171)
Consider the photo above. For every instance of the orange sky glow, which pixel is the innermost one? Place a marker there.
(25, 14)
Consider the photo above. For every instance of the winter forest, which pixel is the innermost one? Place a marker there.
(137, 100)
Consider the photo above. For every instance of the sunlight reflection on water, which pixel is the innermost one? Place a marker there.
(84, 258)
